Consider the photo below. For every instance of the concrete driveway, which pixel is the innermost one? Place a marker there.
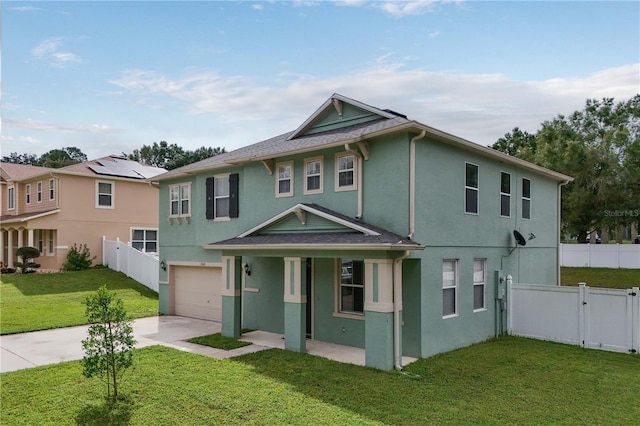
(18, 351)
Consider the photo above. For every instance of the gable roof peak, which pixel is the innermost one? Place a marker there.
(336, 102)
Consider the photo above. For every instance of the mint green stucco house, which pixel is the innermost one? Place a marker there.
(361, 228)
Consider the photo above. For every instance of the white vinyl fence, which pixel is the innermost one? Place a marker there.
(121, 257)
(598, 318)
(600, 255)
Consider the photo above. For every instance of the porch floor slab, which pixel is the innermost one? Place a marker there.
(335, 352)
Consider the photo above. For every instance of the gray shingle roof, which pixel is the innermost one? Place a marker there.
(281, 145)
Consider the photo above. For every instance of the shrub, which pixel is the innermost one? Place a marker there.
(27, 254)
(78, 259)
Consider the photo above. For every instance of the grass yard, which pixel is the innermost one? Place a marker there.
(506, 381)
(42, 301)
(601, 277)
(219, 341)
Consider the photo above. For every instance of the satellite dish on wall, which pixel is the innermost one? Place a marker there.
(520, 240)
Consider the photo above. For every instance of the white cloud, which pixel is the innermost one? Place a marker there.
(24, 8)
(48, 49)
(57, 128)
(478, 107)
(257, 6)
(397, 8)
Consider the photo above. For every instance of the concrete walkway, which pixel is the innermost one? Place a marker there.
(26, 350)
(18, 351)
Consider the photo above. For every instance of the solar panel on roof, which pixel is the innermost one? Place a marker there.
(125, 168)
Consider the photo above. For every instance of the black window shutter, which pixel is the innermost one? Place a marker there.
(209, 202)
(233, 194)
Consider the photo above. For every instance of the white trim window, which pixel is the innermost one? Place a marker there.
(51, 242)
(52, 189)
(39, 192)
(505, 194)
(313, 182)
(11, 200)
(180, 200)
(471, 187)
(449, 288)
(479, 284)
(526, 198)
(40, 240)
(105, 194)
(27, 191)
(346, 172)
(145, 239)
(351, 287)
(221, 197)
(284, 179)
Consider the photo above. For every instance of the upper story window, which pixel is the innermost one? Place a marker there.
(505, 194)
(479, 284)
(27, 190)
(39, 192)
(471, 188)
(145, 240)
(313, 176)
(52, 189)
(351, 281)
(180, 200)
(284, 182)
(222, 197)
(449, 288)
(11, 202)
(526, 198)
(104, 194)
(346, 172)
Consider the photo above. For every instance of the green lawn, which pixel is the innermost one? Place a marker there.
(219, 341)
(601, 277)
(42, 301)
(506, 381)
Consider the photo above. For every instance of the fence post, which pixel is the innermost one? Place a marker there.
(633, 297)
(583, 317)
(118, 254)
(509, 304)
(104, 250)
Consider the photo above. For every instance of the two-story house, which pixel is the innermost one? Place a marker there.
(52, 209)
(361, 227)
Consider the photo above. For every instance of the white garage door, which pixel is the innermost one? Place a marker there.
(197, 292)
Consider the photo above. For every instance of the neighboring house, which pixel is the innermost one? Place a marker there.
(362, 228)
(52, 209)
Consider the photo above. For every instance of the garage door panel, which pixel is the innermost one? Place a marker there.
(197, 292)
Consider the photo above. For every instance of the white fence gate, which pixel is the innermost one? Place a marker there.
(600, 255)
(598, 318)
(121, 257)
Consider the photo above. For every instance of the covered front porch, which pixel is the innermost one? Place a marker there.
(340, 287)
(28, 230)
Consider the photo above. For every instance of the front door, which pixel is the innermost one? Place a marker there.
(309, 295)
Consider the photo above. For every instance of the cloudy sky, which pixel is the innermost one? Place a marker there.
(109, 77)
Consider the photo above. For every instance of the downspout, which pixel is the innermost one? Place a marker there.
(359, 167)
(412, 183)
(397, 307)
(560, 185)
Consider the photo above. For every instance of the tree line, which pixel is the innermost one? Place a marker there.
(599, 147)
(165, 155)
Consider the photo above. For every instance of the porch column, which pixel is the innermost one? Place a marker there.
(10, 252)
(295, 304)
(378, 313)
(20, 237)
(30, 238)
(2, 248)
(231, 290)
